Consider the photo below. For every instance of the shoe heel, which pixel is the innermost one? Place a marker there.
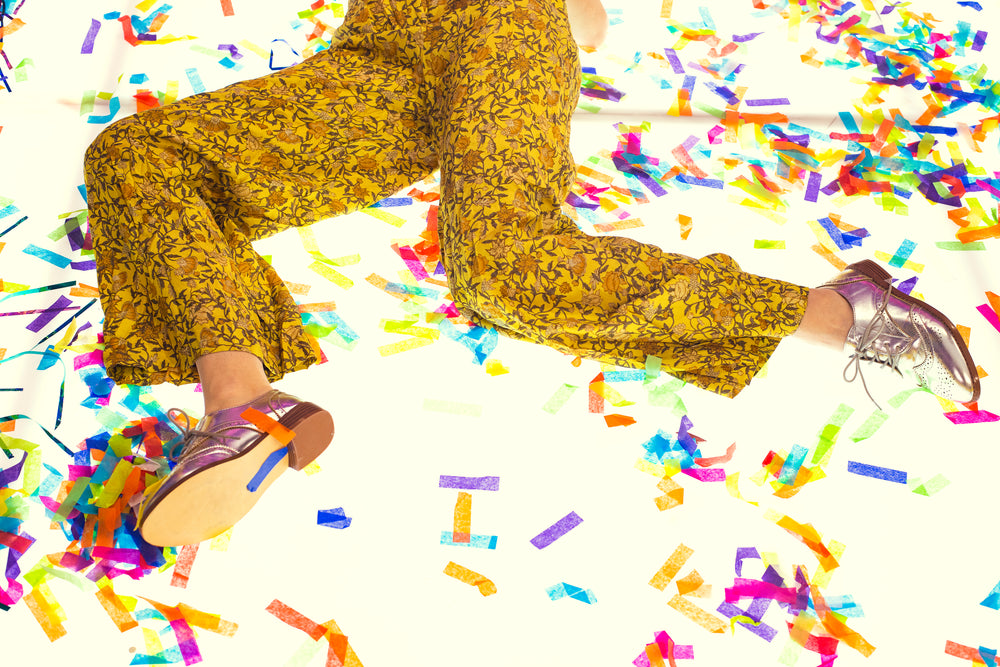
(873, 271)
(313, 428)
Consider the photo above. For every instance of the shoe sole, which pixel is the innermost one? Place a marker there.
(180, 517)
(882, 278)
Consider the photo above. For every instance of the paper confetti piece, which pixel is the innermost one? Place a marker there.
(182, 568)
(661, 649)
(462, 531)
(333, 518)
(979, 656)
(673, 494)
(671, 567)
(971, 417)
(706, 620)
(484, 584)
(932, 486)
(618, 420)
(559, 399)
(993, 599)
(453, 407)
(469, 483)
(556, 530)
(878, 472)
(562, 590)
(475, 541)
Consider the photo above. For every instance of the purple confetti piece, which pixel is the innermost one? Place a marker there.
(39, 322)
(674, 61)
(770, 101)
(742, 554)
(469, 483)
(88, 41)
(812, 188)
(556, 530)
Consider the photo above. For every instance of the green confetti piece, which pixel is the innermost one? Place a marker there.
(830, 432)
(932, 486)
(959, 246)
(453, 407)
(764, 244)
(871, 425)
(558, 399)
(304, 654)
(79, 486)
(87, 102)
(653, 365)
(900, 398)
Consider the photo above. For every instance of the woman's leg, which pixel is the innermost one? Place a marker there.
(504, 102)
(178, 194)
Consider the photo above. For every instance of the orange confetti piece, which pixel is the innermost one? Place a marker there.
(673, 494)
(46, 611)
(670, 569)
(697, 614)
(686, 225)
(84, 290)
(182, 568)
(324, 307)
(618, 420)
(810, 537)
(464, 574)
(227, 8)
(268, 425)
(462, 531)
(691, 583)
(116, 609)
(994, 302)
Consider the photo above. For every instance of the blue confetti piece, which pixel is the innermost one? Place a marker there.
(335, 518)
(878, 472)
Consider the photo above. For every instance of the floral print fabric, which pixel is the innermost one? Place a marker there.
(482, 90)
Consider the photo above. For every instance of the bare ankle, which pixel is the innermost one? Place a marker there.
(231, 378)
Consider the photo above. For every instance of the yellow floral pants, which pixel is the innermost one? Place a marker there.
(482, 90)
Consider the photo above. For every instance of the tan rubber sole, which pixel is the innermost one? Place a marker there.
(211, 501)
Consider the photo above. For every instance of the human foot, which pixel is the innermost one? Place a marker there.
(227, 462)
(901, 332)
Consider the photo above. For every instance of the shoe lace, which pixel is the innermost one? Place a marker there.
(182, 449)
(866, 351)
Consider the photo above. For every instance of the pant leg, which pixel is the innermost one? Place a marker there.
(506, 81)
(177, 195)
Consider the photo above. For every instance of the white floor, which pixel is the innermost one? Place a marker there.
(918, 566)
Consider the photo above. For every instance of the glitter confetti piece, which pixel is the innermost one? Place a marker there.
(669, 570)
(559, 399)
(182, 568)
(562, 590)
(469, 483)
(464, 574)
(556, 530)
(333, 518)
(971, 417)
(697, 614)
(453, 407)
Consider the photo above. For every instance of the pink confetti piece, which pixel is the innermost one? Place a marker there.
(971, 417)
(990, 316)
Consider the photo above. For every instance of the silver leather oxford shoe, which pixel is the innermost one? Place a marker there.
(903, 333)
(226, 463)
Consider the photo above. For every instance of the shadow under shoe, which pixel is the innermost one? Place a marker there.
(900, 332)
(225, 465)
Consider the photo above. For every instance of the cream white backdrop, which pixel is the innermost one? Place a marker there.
(918, 566)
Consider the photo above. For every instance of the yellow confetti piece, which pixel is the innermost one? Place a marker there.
(673, 494)
(221, 542)
(911, 265)
(494, 368)
(669, 570)
(697, 614)
(254, 48)
(464, 574)
(312, 469)
(403, 346)
(608, 393)
(453, 407)
(693, 584)
(619, 225)
(46, 610)
(331, 274)
(385, 216)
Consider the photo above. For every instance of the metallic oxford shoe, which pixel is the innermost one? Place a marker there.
(224, 466)
(903, 333)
